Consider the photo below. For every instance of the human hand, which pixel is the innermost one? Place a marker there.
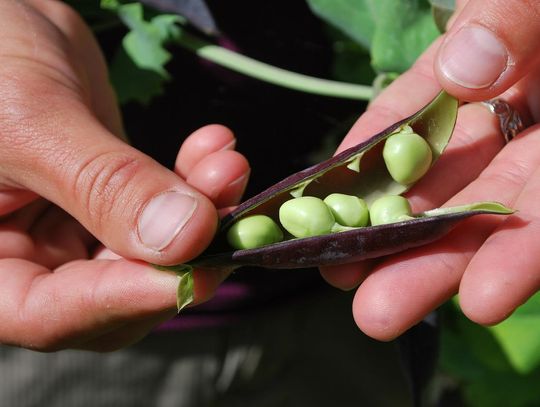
(66, 177)
(492, 263)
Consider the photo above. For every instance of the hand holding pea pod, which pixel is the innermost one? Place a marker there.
(64, 171)
(492, 263)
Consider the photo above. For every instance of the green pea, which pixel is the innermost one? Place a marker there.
(407, 156)
(306, 216)
(389, 209)
(254, 231)
(348, 210)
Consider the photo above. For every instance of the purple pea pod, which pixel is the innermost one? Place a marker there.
(359, 171)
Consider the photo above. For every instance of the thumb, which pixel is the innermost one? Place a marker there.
(489, 47)
(132, 204)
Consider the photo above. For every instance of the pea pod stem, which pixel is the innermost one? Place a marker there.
(268, 73)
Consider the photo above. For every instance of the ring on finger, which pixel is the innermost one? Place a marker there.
(510, 121)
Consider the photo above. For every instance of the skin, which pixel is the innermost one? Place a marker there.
(62, 152)
(478, 259)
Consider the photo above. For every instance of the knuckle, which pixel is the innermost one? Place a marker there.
(103, 185)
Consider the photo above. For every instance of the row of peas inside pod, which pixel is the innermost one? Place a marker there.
(407, 157)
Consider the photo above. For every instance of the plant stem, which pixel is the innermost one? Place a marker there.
(268, 73)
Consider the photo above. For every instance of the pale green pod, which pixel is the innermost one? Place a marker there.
(407, 156)
(306, 216)
(254, 231)
(389, 209)
(348, 210)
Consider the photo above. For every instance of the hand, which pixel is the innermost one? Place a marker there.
(493, 263)
(66, 176)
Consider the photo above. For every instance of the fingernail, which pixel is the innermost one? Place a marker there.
(232, 193)
(229, 146)
(473, 58)
(164, 217)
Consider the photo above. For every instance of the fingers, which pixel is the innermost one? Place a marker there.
(58, 239)
(123, 336)
(207, 162)
(402, 290)
(476, 140)
(505, 271)
(129, 202)
(489, 47)
(222, 176)
(51, 143)
(202, 142)
(47, 310)
(346, 276)
(87, 300)
(13, 199)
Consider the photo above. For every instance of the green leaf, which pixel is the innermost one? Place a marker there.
(132, 83)
(506, 389)
(110, 4)
(167, 27)
(138, 70)
(442, 11)
(146, 53)
(353, 17)
(145, 42)
(184, 290)
(469, 350)
(475, 360)
(396, 31)
(519, 336)
(404, 29)
(351, 61)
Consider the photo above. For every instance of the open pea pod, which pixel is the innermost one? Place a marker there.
(354, 245)
(359, 171)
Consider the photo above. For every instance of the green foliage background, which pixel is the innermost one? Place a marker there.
(374, 41)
